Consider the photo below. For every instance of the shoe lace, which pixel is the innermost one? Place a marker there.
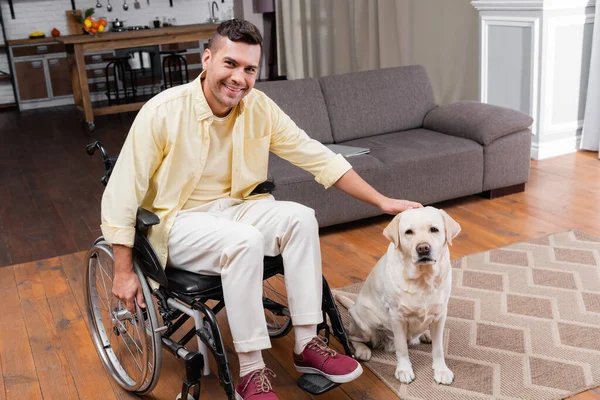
(261, 381)
(319, 344)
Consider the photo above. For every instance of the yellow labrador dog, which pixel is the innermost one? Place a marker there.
(405, 297)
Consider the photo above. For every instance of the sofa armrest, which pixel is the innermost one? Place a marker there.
(477, 121)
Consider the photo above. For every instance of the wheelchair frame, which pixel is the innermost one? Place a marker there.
(182, 295)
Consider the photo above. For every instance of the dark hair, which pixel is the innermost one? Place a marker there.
(236, 30)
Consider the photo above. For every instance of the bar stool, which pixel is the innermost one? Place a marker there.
(123, 79)
(142, 64)
(173, 66)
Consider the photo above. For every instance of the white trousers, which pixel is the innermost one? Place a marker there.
(229, 237)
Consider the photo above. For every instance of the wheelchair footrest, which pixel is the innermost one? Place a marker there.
(315, 384)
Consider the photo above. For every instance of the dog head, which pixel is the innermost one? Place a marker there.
(422, 233)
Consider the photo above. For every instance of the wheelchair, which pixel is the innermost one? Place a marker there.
(130, 345)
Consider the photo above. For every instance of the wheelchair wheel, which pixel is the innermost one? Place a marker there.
(128, 345)
(277, 314)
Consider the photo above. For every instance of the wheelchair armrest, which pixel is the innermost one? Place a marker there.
(263, 187)
(145, 219)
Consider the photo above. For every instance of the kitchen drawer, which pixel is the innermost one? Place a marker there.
(96, 58)
(193, 58)
(146, 81)
(194, 73)
(97, 87)
(39, 49)
(31, 80)
(180, 46)
(96, 73)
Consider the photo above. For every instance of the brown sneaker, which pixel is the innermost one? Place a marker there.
(318, 358)
(256, 386)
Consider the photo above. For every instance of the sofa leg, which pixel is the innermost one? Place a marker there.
(505, 191)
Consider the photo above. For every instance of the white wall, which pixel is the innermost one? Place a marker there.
(43, 15)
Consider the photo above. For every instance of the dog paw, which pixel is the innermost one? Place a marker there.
(415, 341)
(443, 376)
(425, 337)
(363, 353)
(405, 375)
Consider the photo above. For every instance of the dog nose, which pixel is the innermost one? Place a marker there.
(423, 248)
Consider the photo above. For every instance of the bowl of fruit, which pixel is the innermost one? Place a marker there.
(37, 35)
(93, 25)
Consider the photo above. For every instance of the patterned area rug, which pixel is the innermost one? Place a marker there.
(524, 323)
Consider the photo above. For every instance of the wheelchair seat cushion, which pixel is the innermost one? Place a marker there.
(209, 286)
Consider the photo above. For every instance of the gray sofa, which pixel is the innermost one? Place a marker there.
(417, 151)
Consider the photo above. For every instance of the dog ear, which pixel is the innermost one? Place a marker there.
(452, 227)
(392, 232)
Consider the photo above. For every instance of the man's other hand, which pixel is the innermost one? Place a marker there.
(396, 206)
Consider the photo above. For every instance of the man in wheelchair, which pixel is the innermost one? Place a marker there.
(194, 156)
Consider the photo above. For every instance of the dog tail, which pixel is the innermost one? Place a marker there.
(343, 300)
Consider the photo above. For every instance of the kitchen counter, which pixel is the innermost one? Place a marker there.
(20, 42)
(77, 45)
(155, 33)
(114, 36)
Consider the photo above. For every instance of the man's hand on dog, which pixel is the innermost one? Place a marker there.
(396, 206)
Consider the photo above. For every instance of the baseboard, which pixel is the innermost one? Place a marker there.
(559, 147)
(34, 105)
(504, 191)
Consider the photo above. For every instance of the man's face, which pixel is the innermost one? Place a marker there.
(231, 70)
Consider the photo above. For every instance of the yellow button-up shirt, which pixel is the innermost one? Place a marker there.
(166, 149)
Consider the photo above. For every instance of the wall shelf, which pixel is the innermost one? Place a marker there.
(7, 77)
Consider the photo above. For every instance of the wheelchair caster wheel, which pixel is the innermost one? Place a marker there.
(189, 397)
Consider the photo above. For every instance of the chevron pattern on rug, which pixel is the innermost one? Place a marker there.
(523, 323)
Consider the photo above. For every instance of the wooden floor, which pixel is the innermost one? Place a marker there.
(45, 348)
(49, 187)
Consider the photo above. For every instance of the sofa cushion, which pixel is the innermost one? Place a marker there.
(331, 206)
(303, 101)
(427, 166)
(477, 121)
(366, 103)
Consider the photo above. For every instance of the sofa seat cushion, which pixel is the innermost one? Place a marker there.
(331, 206)
(284, 172)
(426, 166)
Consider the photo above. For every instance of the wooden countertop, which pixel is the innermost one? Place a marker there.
(144, 33)
(112, 36)
(18, 42)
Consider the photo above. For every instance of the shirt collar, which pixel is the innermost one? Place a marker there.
(201, 106)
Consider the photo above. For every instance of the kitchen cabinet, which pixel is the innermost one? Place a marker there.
(43, 73)
(31, 80)
(60, 76)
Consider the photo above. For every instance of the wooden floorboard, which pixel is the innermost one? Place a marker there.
(49, 214)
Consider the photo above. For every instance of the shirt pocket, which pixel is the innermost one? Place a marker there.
(256, 157)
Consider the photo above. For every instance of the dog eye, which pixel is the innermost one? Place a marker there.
(433, 229)
(408, 232)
